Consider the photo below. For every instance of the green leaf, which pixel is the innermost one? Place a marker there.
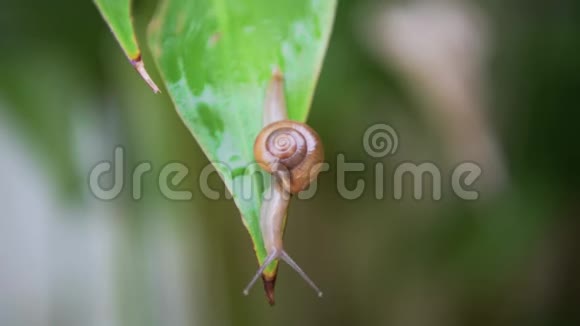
(117, 13)
(217, 57)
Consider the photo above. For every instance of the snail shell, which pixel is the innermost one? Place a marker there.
(291, 150)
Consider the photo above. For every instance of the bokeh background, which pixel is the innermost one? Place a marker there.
(495, 82)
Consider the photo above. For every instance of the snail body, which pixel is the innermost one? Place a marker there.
(292, 153)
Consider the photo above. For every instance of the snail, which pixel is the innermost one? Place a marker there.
(292, 153)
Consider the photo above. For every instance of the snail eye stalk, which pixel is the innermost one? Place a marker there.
(286, 258)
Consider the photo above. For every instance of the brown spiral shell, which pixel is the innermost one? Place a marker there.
(290, 147)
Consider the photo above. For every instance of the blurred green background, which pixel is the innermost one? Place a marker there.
(494, 82)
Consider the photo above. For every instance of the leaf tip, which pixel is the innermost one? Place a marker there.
(140, 67)
(269, 288)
